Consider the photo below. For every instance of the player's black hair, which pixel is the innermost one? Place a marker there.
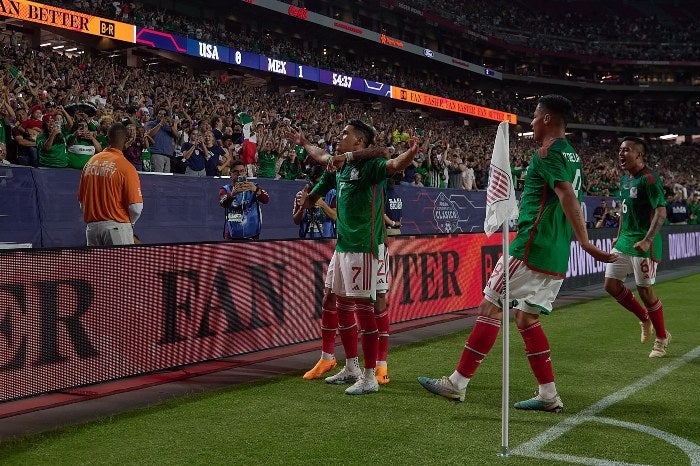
(558, 105)
(366, 131)
(638, 142)
(115, 130)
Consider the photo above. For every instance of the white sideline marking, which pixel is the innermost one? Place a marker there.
(532, 447)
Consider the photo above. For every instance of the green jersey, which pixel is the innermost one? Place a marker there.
(301, 153)
(544, 233)
(640, 195)
(361, 188)
(268, 164)
(693, 210)
(56, 156)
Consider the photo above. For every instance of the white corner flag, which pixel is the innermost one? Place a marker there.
(501, 206)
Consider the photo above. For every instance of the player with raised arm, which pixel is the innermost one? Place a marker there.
(638, 243)
(357, 271)
(550, 210)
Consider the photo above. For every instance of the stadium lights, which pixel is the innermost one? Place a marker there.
(72, 49)
(668, 136)
(45, 45)
(528, 134)
(58, 47)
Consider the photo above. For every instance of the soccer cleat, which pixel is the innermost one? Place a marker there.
(382, 374)
(344, 376)
(537, 403)
(443, 387)
(660, 346)
(646, 330)
(362, 386)
(321, 367)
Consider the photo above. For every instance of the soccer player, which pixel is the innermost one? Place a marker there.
(638, 243)
(549, 210)
(359, 261)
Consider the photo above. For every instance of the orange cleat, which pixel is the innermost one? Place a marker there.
(382, 374)
(321, 367)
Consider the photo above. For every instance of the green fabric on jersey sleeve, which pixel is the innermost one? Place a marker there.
(325, 184)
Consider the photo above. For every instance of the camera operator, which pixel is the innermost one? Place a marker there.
(318, 221)
(241, 199)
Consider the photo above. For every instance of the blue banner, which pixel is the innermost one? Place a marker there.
(40, 206)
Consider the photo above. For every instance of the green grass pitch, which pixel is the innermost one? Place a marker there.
(595, 351)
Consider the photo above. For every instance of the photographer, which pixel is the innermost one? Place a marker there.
(241, 199)
(318, 221)
(195, 153)
(612, 218)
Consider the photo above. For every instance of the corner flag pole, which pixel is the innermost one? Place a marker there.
(501, 206)
(505, 403)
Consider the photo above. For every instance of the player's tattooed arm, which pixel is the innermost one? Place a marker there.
(657, 222)
(316, 153)
(401, 162)
(572, 209)
(363, 154)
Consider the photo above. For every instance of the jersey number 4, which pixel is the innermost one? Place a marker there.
(577, 182)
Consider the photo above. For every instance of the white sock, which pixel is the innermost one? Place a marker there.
(548, 391)
(459, 381)
(369, 373)
(327, 356)
(381, 363)
(353, 364)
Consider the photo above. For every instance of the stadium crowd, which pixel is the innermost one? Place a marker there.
(57, 110)
(655, 113)
(586, 28)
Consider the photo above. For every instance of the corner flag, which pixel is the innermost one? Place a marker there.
(500, 194)
(500, 207)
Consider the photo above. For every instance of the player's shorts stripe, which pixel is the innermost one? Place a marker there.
(512, 267)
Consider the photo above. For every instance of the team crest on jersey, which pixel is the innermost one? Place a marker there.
(354, 174)
(633, 192)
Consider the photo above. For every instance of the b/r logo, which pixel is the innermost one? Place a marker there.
(106, 28)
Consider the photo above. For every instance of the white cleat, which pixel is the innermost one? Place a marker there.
(344, 376)
(362, 386)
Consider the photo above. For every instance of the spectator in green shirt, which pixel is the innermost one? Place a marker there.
(51, 144)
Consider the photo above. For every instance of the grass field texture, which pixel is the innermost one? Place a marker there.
(595, 351)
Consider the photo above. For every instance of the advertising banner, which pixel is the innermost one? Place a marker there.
(78, 316)
(421, 98)
(67, 19)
